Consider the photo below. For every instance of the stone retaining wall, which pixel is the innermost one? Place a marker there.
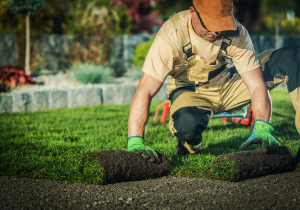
(69, 98)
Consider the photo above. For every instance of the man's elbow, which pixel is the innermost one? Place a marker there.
(258, 88)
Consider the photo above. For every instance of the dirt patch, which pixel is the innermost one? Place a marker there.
(120, 166)
(278, 191)
(255, 163)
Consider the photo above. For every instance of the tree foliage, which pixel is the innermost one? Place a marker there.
(101, 21)
(25, 6)
(277, 6)
(143, 13)
(92, 17)
(42, 22)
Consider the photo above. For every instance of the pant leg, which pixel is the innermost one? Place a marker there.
(284, 62)
(295, 98)
(189, 116)
(277, 66)
(235, 95)
(284, 65)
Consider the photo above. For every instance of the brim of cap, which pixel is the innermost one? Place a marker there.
(215, 24)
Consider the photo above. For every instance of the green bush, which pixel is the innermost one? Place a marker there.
(140, 53)
(89, 73)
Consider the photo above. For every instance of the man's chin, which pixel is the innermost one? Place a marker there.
(210, 38)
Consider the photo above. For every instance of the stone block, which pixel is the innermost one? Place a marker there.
(85, 97)
(6, 103)
(58, 99)
(118, 94)
(77, 97)
(21, 102)
(41, 100)
(28, 101)
(94, 96)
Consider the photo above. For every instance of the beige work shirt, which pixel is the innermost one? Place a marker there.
(166, 54)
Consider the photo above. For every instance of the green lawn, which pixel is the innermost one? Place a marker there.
(48, 144)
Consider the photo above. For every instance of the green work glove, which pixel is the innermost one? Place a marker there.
(136, 145)
(262, 135)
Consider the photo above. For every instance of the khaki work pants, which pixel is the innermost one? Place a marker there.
(190, 111)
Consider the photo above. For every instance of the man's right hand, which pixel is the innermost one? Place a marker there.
(262, 135)
(136, 145)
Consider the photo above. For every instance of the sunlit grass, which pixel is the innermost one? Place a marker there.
(48, 144)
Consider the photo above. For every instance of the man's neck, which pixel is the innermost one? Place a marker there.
(193, 26)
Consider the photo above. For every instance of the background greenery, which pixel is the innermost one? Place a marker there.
(89, 73)
(140, 52)
(105, 19)
(49, 144)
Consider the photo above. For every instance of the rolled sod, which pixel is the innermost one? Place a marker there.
(111, 166)
(254, 163)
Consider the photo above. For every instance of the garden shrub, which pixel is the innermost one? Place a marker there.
(140, 52)
(118, 68)
(138, 59)
(89, 73)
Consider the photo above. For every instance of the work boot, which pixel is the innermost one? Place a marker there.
(183, 148)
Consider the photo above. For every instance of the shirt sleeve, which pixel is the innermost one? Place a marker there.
(242, 52)
(160, 58)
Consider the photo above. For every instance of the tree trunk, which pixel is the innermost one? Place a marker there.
(27, 53)
(277, 25)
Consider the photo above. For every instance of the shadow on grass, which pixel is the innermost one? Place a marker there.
(225, 126)
(176, 159)
(15, 135)
(286, 128)
(281, 115)
(224, 147)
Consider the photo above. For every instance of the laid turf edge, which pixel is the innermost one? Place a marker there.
(256, 163)
(91, 169)
(222, 170)
(120, 166)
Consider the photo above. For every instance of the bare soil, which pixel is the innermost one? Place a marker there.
(277, 191)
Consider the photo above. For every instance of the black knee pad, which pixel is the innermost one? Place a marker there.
(189, 123)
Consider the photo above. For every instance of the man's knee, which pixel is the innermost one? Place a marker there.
(189, 123)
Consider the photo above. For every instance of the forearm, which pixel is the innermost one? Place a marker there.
(261, 103)
(140, 104)
(260, 99)
(139, 114)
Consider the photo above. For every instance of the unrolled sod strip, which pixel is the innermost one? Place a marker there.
(118, 166)
(255, 163)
